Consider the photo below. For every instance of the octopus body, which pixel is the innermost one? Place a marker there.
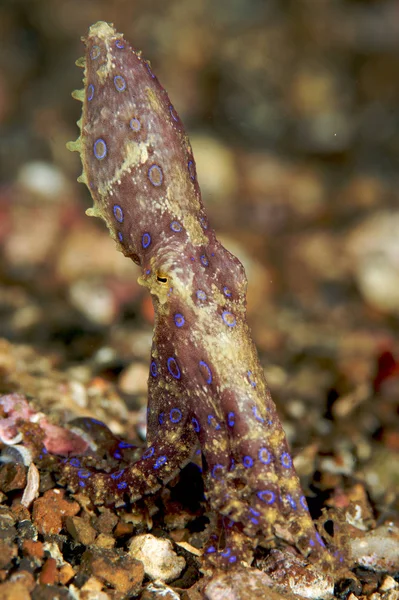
(206, 386)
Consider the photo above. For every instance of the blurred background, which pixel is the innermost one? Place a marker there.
(292, 107)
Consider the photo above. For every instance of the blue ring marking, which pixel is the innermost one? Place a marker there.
(262, 495)
(231, 419)
(135, 124)
(122, 485)
(75, 462)
(120, 83)
(319, 539)
(119, 44)
(210, 550)
(96, 422)
(256, 513)
(117, 455)
(303, 503)
(311, 543)
(90, 92)
(120, 236)
(232, 559)
(117, 474)
(227, 292)
(228, 318)
(160, 461)
(291, 501)
(82, 483)
(226, 552)
(254, 521)
(175, 415)
(155, 175)
(176, 226)
(146, 240)
(149, 69)
(118, 213)
(250, 378)
(84, 473)
(154, 369)
(257, 417)
(161, 418)
(122, 444)
(201, 295)
(204, 260)
(148, 453)
(196, 425)
(248, 462)
(191, 171)
(179, 320)
(173, 113)
(212, 418)
(172, 363)
(203, 222)
(264, 456)
(214, 469)
(100, 149)
(286, 460)
(202, 363)
(95, 52)
(232, 464)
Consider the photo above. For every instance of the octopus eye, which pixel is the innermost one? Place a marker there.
(162, 278)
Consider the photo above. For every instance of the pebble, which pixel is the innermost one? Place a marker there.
(50, 510)
(81, 531)
(114, 567)
(158, 557)
(378, 549)
(248, 584)
(133, 379)
(293, 574)
(159, 591)
(49, 573)
(374, 248)
(12, 590)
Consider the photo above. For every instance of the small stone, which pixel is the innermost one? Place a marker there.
(12, 477)
(50, 509)
(33, 549)
(105, 540)
(8, 552)
(80, 530)
(378, 549)
(25, 578)
(158, 557)
(106, 522)
(116, 568)
(248, 584)
(388, 583)
(374, 248)
(49, 573)
(293, 574)
(13, 590)
(66, 573)
(159, 591)
(133, 379)
(50, 592)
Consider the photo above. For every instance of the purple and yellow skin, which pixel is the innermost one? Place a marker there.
(206, 386)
